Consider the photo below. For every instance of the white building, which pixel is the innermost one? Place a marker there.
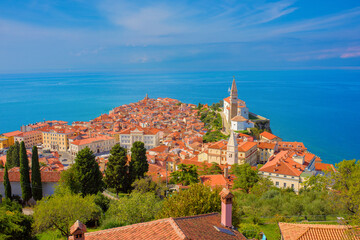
(239, 123)
(49, 180)
(149, 136)
(98, 144)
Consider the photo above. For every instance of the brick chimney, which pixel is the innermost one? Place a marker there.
(78, 230)
(226, 207)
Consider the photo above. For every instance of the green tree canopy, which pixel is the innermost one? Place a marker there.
(88, 172)
(138, 165)
(146, 184)
(24, 174)
(138, 207)
(246, 177)
(185, 175)
(69, 181)
(9, 157)
(14, 225)
(198, 199)
(116, 173)
(7, 185)
(35, 175)
(347, 182)
(61, 212)
(16, 155)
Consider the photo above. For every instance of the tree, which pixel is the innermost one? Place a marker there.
(246, 177)
(7, 185)
(16, 155)
(9, 157)
(186, 175)
(198, 199)
(35, 175)
(215, 169)
(24, 174)
(61, 211)
(137, 208)
(144, 185)
(264, 184)
(14, 225)
(116, 173)
(138, 165)
(69, 181)
(88, 172)
(347, 182)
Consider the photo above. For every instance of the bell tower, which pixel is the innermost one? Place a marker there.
(233, 101)
(232, 150)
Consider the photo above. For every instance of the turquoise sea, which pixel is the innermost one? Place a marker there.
(318, 107)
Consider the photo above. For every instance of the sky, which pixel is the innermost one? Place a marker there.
(205, 35)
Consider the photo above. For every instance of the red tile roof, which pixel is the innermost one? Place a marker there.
(160, 149)
(92, 139)
(296, 231)
(266, 145)
(246, 146)
(46, 176)
(193, 227)
(268, 135)
(324, 167)
(12, 134)
(283, 163)
(213, 180)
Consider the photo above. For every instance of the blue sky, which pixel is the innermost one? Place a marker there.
(90, 35)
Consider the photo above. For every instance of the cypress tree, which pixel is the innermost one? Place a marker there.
(9, 157)
(138, 165)
(16, 155)
(7, 185)
(24, 174)
(88, 172)
(116, 170)
(35, 175)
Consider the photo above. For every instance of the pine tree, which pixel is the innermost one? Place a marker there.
(88, 172)
(35, 175)
(116, 174)
(7, 185)
(138, 165)
(24, 174)
(16, 155)
(9, 157)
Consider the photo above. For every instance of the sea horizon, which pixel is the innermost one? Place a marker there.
(316, 107)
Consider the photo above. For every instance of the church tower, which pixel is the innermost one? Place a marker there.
(233, 101)
(232, 150)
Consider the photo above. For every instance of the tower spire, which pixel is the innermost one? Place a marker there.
(234, 88)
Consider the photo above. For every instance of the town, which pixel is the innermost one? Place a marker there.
(178, 137)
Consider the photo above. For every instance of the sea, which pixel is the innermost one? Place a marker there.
(320, 108)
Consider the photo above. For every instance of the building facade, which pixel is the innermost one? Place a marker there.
(99, 144)
(149, 136)
(56, 138)
(31, 138)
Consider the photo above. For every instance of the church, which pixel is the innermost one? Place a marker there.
(236, 112)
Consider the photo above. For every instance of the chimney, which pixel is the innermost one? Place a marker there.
(78, 230)
(226, 207)
(226, 172)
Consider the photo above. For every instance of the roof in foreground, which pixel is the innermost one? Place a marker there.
(194, 227)
(298, 231)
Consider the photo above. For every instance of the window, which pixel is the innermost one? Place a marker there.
(292, 185)
(277, 184)
(284, 184)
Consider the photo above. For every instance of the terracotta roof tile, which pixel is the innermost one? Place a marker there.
(296, 231)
